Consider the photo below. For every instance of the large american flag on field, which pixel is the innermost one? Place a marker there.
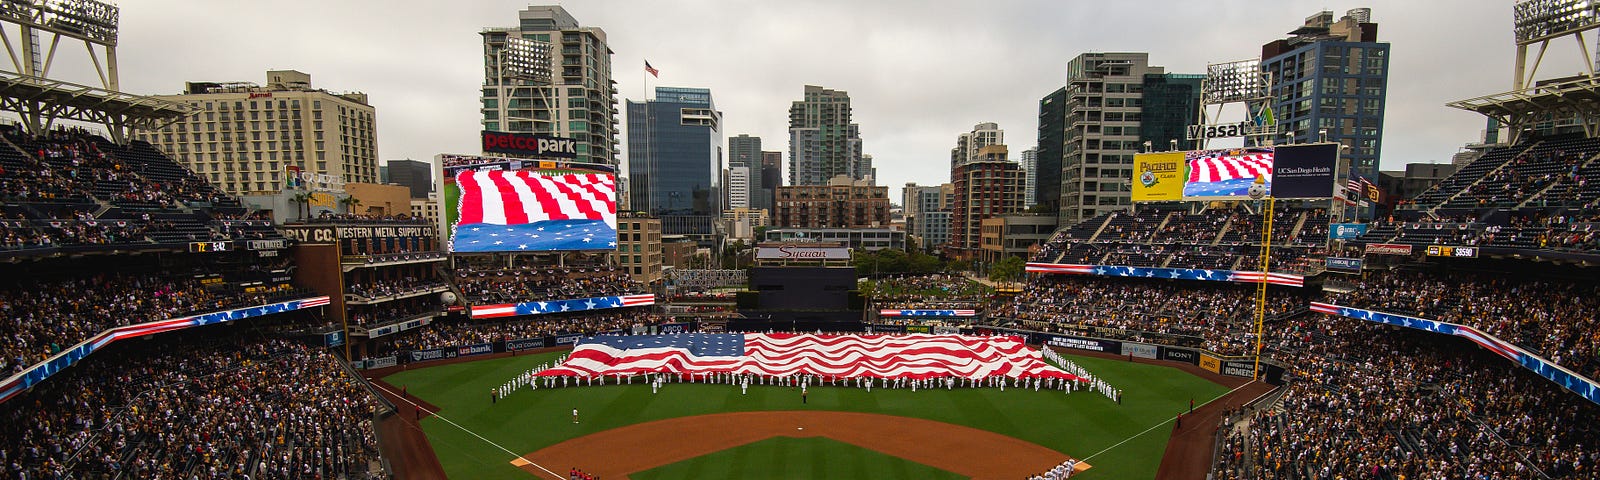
(502, 210)
(783, 354)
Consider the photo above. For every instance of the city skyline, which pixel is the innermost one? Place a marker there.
(913, 82)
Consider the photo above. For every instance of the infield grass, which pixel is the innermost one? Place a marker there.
(1078, 425)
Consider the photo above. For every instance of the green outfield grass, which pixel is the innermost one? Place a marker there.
(1078, 425)
(784, 457)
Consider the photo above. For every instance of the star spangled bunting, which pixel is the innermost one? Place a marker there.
(844, 356)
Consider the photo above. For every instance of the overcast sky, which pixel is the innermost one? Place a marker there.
(918, 72)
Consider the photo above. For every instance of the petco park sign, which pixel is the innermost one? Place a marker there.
(802, 253)
(529, 145)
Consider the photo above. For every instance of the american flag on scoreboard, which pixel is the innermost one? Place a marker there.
(503, 210)
(1217, 166)
(782, 354)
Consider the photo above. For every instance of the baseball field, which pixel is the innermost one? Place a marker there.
(714, 431)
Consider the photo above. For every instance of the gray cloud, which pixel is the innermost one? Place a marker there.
(919, 73)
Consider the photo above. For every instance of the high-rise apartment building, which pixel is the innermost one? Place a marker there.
(1105, 103)
(1331, 77)
(968, 144)
(1030, 172)
(823, 141)
(1052, 139)
(551, 75)
(248, 139)
(415, 175)
(675, 160)
(744, 151)
(738, 186)
(1171, 104)
(988, 186)
(771, 179)
(842, 203)
(927, 211)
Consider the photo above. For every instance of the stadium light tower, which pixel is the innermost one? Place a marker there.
(1541, 21)
(529, 61)
(1537, 23)
(28, 88)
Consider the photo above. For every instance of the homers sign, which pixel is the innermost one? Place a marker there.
(802, 253)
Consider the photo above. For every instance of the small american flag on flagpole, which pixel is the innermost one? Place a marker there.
(652, 70)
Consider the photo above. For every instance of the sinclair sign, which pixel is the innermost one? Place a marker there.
(802, 253)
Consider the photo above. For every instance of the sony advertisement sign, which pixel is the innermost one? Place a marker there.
(802, 253)
(532, 145)
(1179, 355)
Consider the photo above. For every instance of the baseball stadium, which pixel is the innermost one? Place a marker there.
(1262, 311)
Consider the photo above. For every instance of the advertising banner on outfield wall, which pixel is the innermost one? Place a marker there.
(1234, 368)
(568, 339)
(524, 344)
(879, 328)
(1210, 363)
(1141, 350)
(1180, 355)
(383, 362)
(667, 328)
(433, 354)
(1091, 344)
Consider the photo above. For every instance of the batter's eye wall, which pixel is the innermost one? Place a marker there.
(803, 288)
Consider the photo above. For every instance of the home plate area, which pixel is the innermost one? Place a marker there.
(965, 451)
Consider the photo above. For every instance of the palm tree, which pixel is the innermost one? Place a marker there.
(350, 202)
(303, 199)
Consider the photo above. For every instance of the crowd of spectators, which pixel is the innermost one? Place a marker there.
(1216, 316)
(391, 287)
(1559, 320)
(42, 317)
(924, 291)
(448, 334)
(1215, 239)
(1368, 402)
(531, 284)
(236, 409)
(331, 217)
(389, 312)
(70, 163)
